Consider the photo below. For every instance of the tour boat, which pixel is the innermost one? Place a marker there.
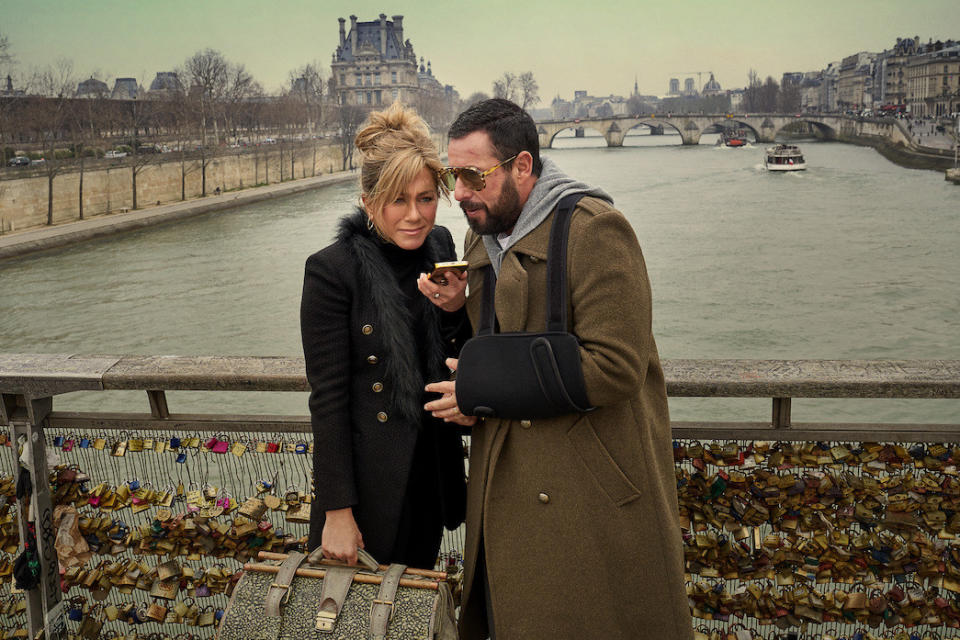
(784, 157)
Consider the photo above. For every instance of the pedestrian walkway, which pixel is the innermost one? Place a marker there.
(20, 243)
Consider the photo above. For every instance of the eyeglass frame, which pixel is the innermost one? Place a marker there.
(480, 174)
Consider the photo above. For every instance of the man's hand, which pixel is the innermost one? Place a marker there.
(341, 537)
(446, 406)
(450, 296)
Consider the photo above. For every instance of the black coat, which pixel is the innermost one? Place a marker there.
(367, 383)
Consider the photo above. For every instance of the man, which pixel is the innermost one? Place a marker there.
(572, 522)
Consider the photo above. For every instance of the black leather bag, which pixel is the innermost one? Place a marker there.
(526, 375)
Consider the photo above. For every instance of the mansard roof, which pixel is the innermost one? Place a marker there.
(368, 37)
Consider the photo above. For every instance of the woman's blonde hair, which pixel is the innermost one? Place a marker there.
(395, 146)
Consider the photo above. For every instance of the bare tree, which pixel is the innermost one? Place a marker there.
(350, 116)
(507, 86)
(207, 74)
(5, 56)
(474, 98)
(529, 90)
(51, 118)
(307, 86)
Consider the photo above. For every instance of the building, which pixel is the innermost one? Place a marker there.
(855, 82)
(689, 89)
(674, 87)
(8, 91)
(890, 76)
(374, 65)
(125, 89)
(933, 80)
(712, 88)
(93, 88)
(165, 83)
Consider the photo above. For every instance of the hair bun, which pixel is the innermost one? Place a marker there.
(389, 128)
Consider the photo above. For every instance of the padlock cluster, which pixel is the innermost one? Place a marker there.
(153, 512)
(808, 535)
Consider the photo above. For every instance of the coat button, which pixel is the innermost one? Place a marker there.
(366, 329)
(544, 498)
(382, 417)
(534, 259)
(525, 424)
(377, 387)
(373, 359)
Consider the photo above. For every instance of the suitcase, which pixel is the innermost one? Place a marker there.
(288, 597)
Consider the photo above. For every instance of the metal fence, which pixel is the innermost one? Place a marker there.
(818, 529)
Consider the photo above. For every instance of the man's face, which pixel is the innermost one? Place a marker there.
(495, 208)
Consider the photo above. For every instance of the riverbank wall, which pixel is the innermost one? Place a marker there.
(107, 185)
(891, 139)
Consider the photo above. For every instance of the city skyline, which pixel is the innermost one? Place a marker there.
(599, 48)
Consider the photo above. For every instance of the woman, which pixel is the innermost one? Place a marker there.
(387, 476)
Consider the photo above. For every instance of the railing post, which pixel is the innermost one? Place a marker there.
(158, 403)
(45, 616)
(781, 413)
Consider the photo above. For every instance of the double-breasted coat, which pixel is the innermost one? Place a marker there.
(367, 376)
(578, 514)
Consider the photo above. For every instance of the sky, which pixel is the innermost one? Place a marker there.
(600, 46)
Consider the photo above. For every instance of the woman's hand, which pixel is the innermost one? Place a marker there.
(446, 406)
(450, 296)
(341, 537)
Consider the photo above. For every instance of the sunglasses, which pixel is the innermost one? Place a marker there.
(472, 178)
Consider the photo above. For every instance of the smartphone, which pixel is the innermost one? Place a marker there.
(440, 268)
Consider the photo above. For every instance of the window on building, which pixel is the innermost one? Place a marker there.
(359, 79)
(393, 78)
(376, 78)
(379, 99)
(368, 79)
(343, 79)
(369, 98)
(395, 94)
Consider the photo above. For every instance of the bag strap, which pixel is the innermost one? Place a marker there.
(556, 274)
(279, 590)
(336, 584)
(382, 609)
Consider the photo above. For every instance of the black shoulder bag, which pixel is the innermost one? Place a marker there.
(526, 375)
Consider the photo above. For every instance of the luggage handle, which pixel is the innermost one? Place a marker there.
(425, 573)
(316, 558)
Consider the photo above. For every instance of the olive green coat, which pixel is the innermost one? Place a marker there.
(579, 513)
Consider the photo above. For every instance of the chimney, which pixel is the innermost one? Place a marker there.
(398, 28)
(383, 34)
(353, 35)
(343, 35)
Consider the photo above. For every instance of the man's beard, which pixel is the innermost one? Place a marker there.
(502, 216)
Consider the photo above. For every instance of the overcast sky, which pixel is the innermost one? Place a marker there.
(596, 45)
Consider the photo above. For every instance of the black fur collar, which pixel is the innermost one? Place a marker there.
(396, 324)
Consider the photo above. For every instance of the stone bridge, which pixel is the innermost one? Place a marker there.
(764, 126)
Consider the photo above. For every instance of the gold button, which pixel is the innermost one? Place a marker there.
(377, 387)
(373, 359)
(382, 417)
(534, 259)
(366, 329)
(544, 498)
(525, 424)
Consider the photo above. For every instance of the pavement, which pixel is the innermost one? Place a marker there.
(18, 243)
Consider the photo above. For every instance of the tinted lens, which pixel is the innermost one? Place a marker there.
(472, 179)
(449, 178)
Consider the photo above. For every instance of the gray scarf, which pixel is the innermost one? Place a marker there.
(552, 185)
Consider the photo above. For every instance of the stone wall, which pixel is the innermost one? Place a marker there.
(108, 184)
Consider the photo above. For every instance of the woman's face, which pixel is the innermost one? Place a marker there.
(407, 220)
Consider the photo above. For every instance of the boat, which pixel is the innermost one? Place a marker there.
(733, 137)
(784, 157)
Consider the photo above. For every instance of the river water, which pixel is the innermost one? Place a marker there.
(854, 258)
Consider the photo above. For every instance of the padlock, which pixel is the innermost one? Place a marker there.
(157, 612)
(221, 446)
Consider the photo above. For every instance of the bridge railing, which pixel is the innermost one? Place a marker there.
(267, 455)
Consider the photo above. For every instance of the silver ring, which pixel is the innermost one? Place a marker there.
(436, 295)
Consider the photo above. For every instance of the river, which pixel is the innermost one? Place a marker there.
(854, 258)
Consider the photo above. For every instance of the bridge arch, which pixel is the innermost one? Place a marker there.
(653, 124)
(825, 130)
(547, 137)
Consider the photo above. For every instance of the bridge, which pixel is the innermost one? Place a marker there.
(764, 126)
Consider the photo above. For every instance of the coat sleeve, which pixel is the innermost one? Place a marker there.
(611, 302)
(324, 328)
